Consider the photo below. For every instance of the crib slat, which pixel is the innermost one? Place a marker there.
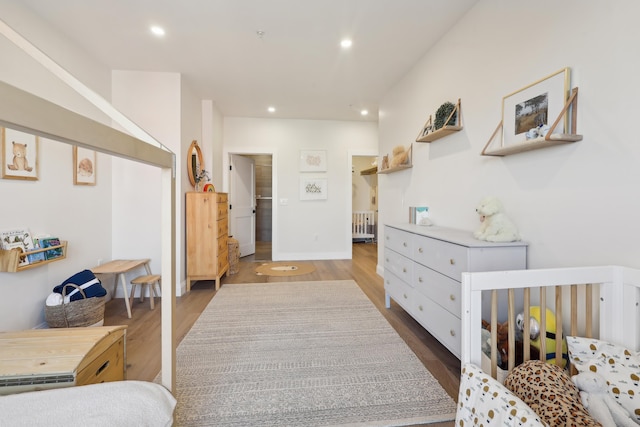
(589, 310)
(512, 328)
(494, 333)
(526, 334)
(559, 326)
(543, 324)
(574, 310)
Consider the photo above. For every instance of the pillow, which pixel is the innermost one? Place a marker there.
(483, 400)
(619, 366)
(549, 391)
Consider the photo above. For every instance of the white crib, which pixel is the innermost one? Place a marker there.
(363, 225)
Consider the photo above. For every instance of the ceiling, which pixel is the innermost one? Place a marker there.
(296, 65)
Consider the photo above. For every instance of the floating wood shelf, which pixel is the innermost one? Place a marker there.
(10, 259)
(371, 171)
(549, 140)
(395, 169)
(427, 135)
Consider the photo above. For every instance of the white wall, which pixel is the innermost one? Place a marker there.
(79, 214)
(318, 229)
(575, 204)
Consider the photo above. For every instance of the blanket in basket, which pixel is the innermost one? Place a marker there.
(85, 280)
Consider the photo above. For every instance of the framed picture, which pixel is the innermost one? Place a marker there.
(528, 112)
(84, 166)
(313, 189)
(313, 160)
(19, 155)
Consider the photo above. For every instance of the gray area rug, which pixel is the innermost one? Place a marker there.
(301, 354)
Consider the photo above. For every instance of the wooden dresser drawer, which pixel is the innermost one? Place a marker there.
(222, 244)
(447, 258)
(442, 289)
(221, 197)
(108, 366)
(223, 260)
(222, 210)
(223, 227)
(399, 265)
(398, 240)
(400, 291)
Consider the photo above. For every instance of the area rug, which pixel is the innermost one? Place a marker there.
(314, 353)
(283, 269)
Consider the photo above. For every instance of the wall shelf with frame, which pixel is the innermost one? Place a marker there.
(10, 259)
(370, 171)
(407, 164)
(395, 169)
(549, 140)
(429, 135)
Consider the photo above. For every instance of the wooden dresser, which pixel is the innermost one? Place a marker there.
(38, 359)
(423, 269)
(207, 230)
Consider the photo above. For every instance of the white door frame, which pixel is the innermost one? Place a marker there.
(248, 151)
(373, 152)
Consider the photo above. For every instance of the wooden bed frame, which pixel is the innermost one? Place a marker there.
(600, 302)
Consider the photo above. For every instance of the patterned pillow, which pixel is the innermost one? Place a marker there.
(619, 366)
(549, 391)
(484, 401)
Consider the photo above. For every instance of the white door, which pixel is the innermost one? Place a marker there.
(242, 203)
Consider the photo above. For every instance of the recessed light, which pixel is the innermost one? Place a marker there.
(158, 31)
(364, 112)
(271, 109)
(346, 43)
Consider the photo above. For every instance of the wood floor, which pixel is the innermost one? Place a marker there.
(143, 333)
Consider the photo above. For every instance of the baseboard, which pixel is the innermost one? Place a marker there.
(380, 270)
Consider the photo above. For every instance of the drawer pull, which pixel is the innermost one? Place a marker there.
(387, 259)
(405, 296)
(452, 297)
(387, 281)
(420, 250)
(404, 244)
(404, 269)
(453, 333)
(420, 279)
(104, 366)
(452, 261)
(387, 237)
(420, 307)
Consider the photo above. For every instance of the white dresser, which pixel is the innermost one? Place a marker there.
(423, 269)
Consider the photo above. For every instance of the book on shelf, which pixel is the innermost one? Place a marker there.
(17, 238)
(47, 242)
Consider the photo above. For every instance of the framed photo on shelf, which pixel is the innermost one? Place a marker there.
(84, 169)
(528, 112)
(313, 160)
(19, 155)
(313, 189)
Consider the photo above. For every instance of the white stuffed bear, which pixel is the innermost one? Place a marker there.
(495, 225)
(596, 399)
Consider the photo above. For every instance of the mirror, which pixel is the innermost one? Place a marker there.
(194, 162)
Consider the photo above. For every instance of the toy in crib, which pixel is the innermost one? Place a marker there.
(534, 333)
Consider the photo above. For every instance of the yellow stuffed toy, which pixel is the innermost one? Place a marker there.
(534, 333)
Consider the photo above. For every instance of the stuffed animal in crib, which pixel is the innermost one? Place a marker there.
(534, 334)
(596, 399)
(495, 225)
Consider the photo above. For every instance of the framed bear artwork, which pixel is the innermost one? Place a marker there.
(19, 155)
(84, 164)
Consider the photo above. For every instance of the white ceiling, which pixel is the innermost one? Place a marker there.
(296, 66)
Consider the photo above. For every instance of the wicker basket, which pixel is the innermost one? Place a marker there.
(82, 312)
(234, 255)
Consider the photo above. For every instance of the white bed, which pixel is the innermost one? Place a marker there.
(601, 303)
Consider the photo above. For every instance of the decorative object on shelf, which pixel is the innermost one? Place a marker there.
(19, 155)
(495, 225)
(526, 116)
(209, 188)
(419, 215)
(195, 162)
(84, 170)
(313, 160)
(447, 121)
(202, 179)
(401, 159)
(313, 189)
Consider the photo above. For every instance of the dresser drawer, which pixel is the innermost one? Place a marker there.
(223, 227)
(398, 265)
(398, 290)
(447, 258)
(223, 244)
(221, 197)
(222, 210)
(442, 289)
(444, 326)
(398, 240)
(223, 260)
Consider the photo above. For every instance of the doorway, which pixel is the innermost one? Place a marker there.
(364, 199)
(251, 205)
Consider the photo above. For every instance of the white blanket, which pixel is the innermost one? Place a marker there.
(118, 403)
